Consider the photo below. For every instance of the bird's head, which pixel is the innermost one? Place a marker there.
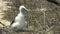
(23, 9)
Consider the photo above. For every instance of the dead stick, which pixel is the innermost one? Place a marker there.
(2, 23)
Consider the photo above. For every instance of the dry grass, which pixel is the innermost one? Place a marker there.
(35, 18)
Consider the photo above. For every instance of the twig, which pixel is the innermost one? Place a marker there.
(44, 17)
(2, 23)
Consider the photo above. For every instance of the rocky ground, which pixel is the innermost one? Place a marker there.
(43, 17)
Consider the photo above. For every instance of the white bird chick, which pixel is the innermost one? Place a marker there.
(19, 22)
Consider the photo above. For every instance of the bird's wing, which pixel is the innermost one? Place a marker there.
(12, 21)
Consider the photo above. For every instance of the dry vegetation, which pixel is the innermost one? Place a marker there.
(40, 23)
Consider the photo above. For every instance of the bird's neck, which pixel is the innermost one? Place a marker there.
(20, 14)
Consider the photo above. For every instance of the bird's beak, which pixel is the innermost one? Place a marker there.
(27, 9)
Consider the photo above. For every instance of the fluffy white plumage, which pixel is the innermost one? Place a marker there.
(19, 21)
